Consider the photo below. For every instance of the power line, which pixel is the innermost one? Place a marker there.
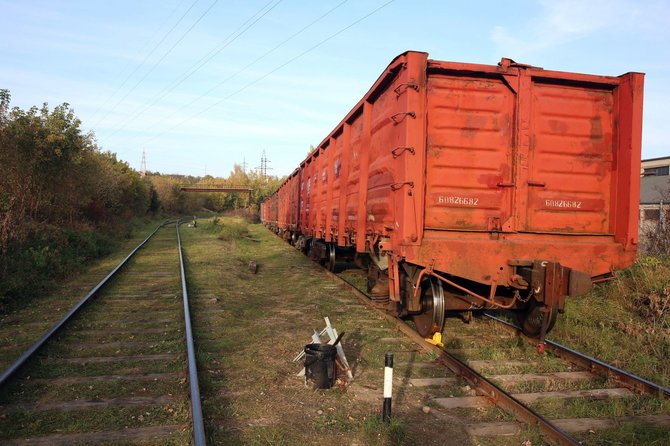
(246, 67)
(148, 55)
(310, 49)
(202, 62)
(158, 62)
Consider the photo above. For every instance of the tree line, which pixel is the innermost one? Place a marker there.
(64, 201)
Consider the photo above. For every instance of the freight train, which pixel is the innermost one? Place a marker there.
(464, 187)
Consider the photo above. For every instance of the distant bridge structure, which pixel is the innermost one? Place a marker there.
(218, 189)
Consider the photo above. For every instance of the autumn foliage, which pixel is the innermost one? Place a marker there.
(61, 198)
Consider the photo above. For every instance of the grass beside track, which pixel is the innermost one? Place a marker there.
(248, 327)
(625, 322)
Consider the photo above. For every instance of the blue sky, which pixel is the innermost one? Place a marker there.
(259, 90)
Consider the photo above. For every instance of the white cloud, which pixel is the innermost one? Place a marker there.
(561, 22)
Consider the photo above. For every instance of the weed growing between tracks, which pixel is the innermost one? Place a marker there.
(248, 327)
(625, 323)
(627, 434)
(36, 423)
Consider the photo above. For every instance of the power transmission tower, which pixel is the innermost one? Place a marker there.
(263, 168)
(244, 164)
(143, 166)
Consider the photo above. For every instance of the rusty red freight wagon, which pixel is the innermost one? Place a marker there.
(465, 187)
(269, 212)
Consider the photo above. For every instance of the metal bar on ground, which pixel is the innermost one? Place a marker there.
(30, 351)
(597, 366)
(332, 334)
(196, 404)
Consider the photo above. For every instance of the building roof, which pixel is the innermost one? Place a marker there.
(654, 189)
(657, 159)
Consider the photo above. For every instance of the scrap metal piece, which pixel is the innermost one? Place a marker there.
(332, 340)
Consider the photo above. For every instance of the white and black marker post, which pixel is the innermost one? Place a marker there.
(388, 387)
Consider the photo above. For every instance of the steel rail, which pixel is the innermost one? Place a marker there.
(488, 389)
(196, 404)
(30, 351)
(596, 366)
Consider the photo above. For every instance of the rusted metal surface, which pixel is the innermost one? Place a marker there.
(596, 366)
(484, 387)
(529, 157)
(469, 168)
(287, 204)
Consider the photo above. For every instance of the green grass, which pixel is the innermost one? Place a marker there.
(17, 326)
(625, 323)
(36, 423)
(228, 229)
(49, 260)
(93, 390)
(377, 432)
(558, 385)
(634, 433)
(615, 407)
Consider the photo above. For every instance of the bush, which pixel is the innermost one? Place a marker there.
(33, 266)
(62, 199)
(645, 290)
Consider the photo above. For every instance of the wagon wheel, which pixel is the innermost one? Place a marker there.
(431, 320)
(331, 260)
(531, 318)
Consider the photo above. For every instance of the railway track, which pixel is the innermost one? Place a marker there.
(119, 367)
(569, 397)
(118, 373)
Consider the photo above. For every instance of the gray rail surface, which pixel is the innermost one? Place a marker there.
(196, 405)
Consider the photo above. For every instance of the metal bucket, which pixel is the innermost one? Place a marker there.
(320, 367)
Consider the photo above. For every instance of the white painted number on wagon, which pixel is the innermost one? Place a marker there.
(458, 200)
(570, 204)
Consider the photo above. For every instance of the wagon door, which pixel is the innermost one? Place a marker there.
(570, 156)
(470, 136)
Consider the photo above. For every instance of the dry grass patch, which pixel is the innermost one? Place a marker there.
(251, 392)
